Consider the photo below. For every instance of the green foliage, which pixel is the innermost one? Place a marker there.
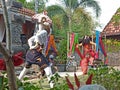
(74, 11)
(59, 85)
(5, 82)
(54, 9)
(62, 45)
(58, 22)
(28, 85)
(83, 19)
(107, 77)
(82, 22)
(1, 82)
(31, 5)
(62, 50)
(22, 85)
(116, 18)
(112, 45)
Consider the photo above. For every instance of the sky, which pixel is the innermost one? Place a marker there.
(108, 9)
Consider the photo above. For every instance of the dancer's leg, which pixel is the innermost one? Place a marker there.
(23, 72)
(84, 65)
(91, 59)
(48, 73)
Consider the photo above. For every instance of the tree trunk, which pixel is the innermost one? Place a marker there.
(7, 57)
(7, 25)
(10, 68)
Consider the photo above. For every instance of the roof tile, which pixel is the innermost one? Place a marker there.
(112, 28)
(22, 10)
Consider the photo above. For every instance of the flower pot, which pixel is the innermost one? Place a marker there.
(71, 69)
(61, 67)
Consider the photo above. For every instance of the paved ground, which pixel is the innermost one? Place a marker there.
(33, 70)
(63, 74)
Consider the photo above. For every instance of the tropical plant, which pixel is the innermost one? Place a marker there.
(112, 45)
(62, 51)
(116, 18)
(71, 16)
(59, 85)
(70, 10)
(22, 85)
(106, 76)
(31, 4)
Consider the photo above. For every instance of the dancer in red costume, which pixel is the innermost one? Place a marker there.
(88, 53)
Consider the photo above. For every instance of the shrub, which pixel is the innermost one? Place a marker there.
(107, 77)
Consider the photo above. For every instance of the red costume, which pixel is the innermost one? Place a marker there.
(88, 55)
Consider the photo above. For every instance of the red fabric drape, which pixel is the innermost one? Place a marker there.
(17, 61)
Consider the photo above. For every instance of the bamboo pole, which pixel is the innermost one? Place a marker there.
(68, 42)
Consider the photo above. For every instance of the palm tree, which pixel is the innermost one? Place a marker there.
(73, 15)
(69, 8)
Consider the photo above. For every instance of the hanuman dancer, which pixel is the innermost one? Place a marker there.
(35, 56)
(36, 53)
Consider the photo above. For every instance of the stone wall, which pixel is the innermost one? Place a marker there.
(16, 41)
(114, 58)
(15, 34)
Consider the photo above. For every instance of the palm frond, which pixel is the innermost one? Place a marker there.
(93, 4)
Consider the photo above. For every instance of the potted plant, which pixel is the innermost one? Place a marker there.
(61, 64)
(61, 58)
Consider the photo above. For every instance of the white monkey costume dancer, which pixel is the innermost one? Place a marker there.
(36, 54)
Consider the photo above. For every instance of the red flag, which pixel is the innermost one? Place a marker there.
(69, 83)
(77, 80)
(102, 47)
(79, 53)
(89, 80)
